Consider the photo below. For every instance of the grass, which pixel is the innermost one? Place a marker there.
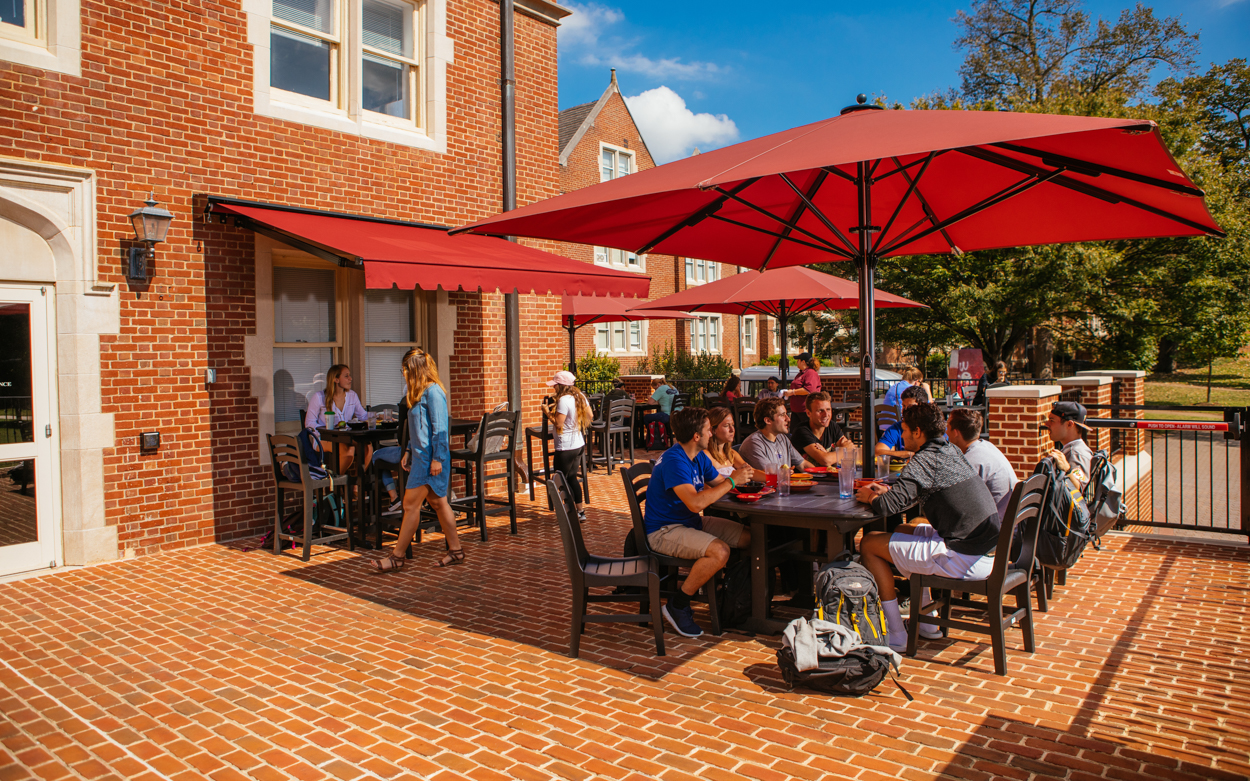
(1230, 387)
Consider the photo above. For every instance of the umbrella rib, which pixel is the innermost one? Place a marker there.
(788, 226)
(898, 209)
(796, 216)
(767, 232)
(931, 216)
(1077, 164)
(833, 169)
(694, 219)
(912, 164)
(1012, 191)
(821, 215)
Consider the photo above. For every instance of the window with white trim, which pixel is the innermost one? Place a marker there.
(705, 334)
(45, 34)
(619, 258)
(20, 19)
(699, 272)
(614, 163)
(389, 333)
(748, 333)
(621, 337)
(306, 336)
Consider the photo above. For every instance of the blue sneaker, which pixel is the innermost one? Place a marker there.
(682, 620)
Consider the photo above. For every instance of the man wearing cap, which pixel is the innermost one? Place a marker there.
(771, 390)
(807, 381)
(1066, 421)
(618, 392)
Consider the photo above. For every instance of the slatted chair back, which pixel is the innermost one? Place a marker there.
(855, 397)
(284, 449)
(681, 401)
(636, 479)
(886, 414)
(497, 432)
(575, 554)
(1023, 513)
(620, 411)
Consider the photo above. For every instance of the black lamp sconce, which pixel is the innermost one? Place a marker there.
(151, 223)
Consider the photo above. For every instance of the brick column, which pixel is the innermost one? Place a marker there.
(1095, 389)
(1134, 460)
(638, 385)
(1017, 419)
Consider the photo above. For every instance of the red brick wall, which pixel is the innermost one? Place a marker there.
(1016, 429)
(164, 103)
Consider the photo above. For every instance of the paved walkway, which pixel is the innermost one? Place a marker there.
(230, 664)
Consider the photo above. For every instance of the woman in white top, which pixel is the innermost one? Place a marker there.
(339, 398)
(571, 417)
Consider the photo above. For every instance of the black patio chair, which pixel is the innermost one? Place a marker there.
(615, 428)
(587, 571)
(284, 449)
(494, 443)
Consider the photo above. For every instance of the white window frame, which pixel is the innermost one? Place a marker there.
(624, 329)
(617, 152)
(416, 311)
(701, 272)
(51, 39)
(433, 52)
(700, 331)
(750, 326)
(336, 346)
(619, 258)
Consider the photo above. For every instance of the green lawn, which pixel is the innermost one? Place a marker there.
(1230, 387)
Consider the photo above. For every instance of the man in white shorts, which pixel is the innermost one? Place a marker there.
(960, 528)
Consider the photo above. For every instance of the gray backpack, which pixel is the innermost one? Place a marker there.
(846, 594)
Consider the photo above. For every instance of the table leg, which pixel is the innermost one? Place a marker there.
(759, 621)
(529, 461)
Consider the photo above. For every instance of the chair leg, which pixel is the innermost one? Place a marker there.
(585, 477)
(631, 442)
(480, 469)
(511, 497)
(609, 440)
(913, 626)
(579, 623)
(310, 503)
(1061, 577)
(657, 620)
(713, 603)
(1048, 578)
(997, 638)
(277, 521)
(1043, 605)
(1025, 600)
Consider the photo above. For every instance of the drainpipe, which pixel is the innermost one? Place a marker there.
(507, 81)
(740, 353)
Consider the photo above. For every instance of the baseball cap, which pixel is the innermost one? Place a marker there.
(1070, 410)
(618, 383)
(804, 357)
(562, 378)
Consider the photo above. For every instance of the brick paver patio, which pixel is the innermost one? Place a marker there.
(224, 663)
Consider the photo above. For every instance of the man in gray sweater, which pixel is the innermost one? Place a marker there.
(959, 529)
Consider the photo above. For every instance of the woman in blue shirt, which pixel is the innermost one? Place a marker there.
(427, 461)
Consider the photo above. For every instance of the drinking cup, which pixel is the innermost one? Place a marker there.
(846, 483)
(883, 466)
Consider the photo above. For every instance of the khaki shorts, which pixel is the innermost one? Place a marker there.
(685, 542)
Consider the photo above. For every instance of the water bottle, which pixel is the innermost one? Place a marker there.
(783, 480)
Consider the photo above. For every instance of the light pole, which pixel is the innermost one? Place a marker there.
(809, 328)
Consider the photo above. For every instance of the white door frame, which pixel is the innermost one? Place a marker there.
(46, 551)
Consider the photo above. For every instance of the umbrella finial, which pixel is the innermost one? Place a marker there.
(861, 98)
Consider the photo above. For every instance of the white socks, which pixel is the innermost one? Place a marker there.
(929, 631)
(893, 618)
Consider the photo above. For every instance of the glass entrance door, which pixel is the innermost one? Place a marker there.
(29, 532)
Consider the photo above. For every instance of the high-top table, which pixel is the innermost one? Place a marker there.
(819, 509)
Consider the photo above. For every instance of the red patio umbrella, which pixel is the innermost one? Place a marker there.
(869, 183)
(779, 292)
(577, 311)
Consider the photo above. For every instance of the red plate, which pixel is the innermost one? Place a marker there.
(818, 470)
(748, 498)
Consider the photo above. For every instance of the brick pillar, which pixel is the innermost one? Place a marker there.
(639, 385)
(1017, 417)
(1135, 458)
(1094, 390)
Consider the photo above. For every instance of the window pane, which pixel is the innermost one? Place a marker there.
(18, 521)
(713, 271)
(618, 332)
(601, 256)
(601, 338)
(608, 165)
(384, 85)
(635, 336)
(303, 305)
(713, 331)
(299, 63)
(388, 316)
(384, 380)
(17, 421)
(690, 270)
(314, 14)
(631, 260)
(13, 12)
(622, 164)
(385, 26)
(297, 372)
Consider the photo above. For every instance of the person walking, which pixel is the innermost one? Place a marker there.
(571, 417)
(427, 460)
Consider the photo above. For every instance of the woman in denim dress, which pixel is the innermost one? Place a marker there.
(427, 461)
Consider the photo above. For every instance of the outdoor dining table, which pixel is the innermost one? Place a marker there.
(820, 509)
(359, 438)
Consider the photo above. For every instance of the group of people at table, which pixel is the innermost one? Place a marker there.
(954, 484)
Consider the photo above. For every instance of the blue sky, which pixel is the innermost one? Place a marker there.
(709, 74)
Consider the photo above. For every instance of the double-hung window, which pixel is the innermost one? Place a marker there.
(618, 258)
(748, 333)
(20, 19)
(705, 334)
(614, 163)
(389, 333)
(699, 272)
(306, 338)
(305, 47)
(620, 337)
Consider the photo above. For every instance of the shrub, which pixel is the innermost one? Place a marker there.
(596, 367)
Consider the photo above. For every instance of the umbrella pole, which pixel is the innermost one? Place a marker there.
(782, 362)
(572, 346)
(867, 263)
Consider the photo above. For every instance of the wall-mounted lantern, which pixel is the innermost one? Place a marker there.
(151, 223)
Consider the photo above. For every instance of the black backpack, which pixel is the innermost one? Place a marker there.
(846, 594)
(856, 673)
(734, 597)
(1065, 523)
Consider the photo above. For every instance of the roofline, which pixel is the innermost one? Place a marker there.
(613, 87)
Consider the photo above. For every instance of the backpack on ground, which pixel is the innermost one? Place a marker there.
(1102, 495)
(829, 657)
(846, 594)
(734, 597)
(1065, 522)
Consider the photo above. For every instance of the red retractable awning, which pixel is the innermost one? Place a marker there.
(410, 255)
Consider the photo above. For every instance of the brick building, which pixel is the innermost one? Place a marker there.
(600, 141)
(381, 108)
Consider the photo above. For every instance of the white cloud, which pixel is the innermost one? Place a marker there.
(586, 38)
(672, 130)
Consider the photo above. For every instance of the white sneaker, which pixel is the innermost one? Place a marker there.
(930, 631)
(396, 506)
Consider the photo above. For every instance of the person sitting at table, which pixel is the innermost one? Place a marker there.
(721, 449)
(891, 442)
(1066, 422)
(772, 389)
(769, 445)
(339, 398)
(960, 519)
(683, 484)
(963, 429)
(570, 418)
(618, 392)
(894, 396)
(393, 454)
(986, 382)
(730, 390)
(807, 381)
(818, 441)
(427, 460)
(663, 395)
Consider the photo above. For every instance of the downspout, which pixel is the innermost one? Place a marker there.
(740, 353)
(507, 81)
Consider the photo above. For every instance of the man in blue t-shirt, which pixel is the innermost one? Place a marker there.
(891, 441)
(683, 484)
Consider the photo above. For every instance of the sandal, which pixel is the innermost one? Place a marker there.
(452, 558)
(388, 564)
